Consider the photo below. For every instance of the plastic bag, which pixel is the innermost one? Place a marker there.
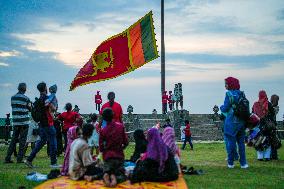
(35, 176)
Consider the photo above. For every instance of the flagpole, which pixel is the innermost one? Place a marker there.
(162, 51)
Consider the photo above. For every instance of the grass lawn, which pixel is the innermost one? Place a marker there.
(208, 157)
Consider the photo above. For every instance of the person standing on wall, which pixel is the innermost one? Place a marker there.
(98, 101)
(165, 102)
(170, 100)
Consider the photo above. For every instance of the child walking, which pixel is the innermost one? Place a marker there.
(187, 133)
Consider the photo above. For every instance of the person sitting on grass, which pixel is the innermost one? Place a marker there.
(81, 163)
(157, 164)
(112, 141)
(140, 144)
(72, 134)
(169, 139)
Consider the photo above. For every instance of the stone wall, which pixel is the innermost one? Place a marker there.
(204, 127)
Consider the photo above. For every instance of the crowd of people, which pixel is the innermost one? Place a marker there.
(94, 149)
(260, 125)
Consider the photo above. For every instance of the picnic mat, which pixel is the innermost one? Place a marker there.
(64, 182)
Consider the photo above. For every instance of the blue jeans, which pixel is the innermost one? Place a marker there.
(46, 134)
(236, 155)
(187, 139)
(231, 147)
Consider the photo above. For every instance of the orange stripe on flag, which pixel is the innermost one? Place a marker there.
(136, 46)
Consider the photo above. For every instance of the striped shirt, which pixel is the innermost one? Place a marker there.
(20, 110)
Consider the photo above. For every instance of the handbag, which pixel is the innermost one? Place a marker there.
(260, 143)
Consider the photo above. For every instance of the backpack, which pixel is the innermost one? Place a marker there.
(241, 107)
(38, 110)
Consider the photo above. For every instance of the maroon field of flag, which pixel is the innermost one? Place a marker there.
(120, 54)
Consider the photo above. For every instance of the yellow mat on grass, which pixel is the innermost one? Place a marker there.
(64, 182)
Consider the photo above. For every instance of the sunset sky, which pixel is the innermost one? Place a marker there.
(206, 41)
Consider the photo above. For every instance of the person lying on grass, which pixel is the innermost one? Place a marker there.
(112, 141)
(81, 163)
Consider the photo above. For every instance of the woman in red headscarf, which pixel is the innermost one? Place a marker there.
(234, 127)
(260, 107)
(264, 110)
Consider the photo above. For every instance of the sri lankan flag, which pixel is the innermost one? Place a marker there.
(120, 54)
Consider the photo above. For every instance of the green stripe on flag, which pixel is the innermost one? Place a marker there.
(147, 39)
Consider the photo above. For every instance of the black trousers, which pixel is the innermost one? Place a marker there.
(165, 108)
(98, 107)
(20, 132)
(187, 139)
(171, 106)
(92, 170)
(274, 154)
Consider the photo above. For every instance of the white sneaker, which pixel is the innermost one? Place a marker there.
(245, 166)
(231, 166)
(55, 166)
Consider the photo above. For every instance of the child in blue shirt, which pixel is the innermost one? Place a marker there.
(52, 100)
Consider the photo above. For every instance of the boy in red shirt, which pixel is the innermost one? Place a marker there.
(112, 141)
(187, 133)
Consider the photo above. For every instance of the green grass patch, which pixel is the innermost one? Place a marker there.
(208, 157)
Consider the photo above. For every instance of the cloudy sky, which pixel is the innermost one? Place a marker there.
(206, 41)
